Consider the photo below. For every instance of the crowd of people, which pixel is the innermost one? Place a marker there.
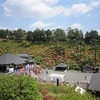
(33, 71)
(29, 69)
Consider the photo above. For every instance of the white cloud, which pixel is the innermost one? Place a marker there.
(98, 31)
(81, 8)
(41, 25)
(76, 25)
(51, 1)
(31, 8)
(95, 3)
(45, 8)
(77, 9)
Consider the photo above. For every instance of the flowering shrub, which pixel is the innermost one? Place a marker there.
(52, 54)
(63, 93)
(48, 97)
(44, 92)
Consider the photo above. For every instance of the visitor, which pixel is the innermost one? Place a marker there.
(57, 82)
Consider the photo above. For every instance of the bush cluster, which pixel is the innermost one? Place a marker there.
(14, 87)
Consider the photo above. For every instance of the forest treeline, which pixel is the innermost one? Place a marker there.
(72, 36)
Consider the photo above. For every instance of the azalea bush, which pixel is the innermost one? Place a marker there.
(51, 54)
(14, 87)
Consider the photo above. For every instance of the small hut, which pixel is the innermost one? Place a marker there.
(87, 68)
(61, 66)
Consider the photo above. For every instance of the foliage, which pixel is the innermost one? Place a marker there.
(59, 35)
(75, 35)
(19, 34)
(90, 36)
(70, 35)
(18, 88)
(51, 54)
(38, 36)
(3, 33)
(29, 36)
(24, 44)
(59, 50)
(48, 35)
(64, 92)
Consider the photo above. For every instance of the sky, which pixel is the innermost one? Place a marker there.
(50, 14)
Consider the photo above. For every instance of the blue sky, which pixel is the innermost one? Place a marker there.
(50, 14)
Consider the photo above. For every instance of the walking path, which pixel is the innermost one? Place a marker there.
(71, 76)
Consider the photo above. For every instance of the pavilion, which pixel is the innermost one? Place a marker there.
(10, 59)
(61, 67)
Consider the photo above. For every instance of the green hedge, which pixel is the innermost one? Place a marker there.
(18, 88)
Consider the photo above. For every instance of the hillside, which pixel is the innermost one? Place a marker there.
(51, 54)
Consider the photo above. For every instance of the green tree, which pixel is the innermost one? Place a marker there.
(59, 35)
(90, 36)
(74, 35)
(19, 34)
(39, 36)
(29, 36)
(3, 33)
(49, 36)
(95, 48)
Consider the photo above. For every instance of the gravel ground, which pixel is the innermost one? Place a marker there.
(71, 76)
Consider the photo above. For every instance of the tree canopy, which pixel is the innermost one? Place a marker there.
(91, 36)
(71, 36)
(75, 35)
